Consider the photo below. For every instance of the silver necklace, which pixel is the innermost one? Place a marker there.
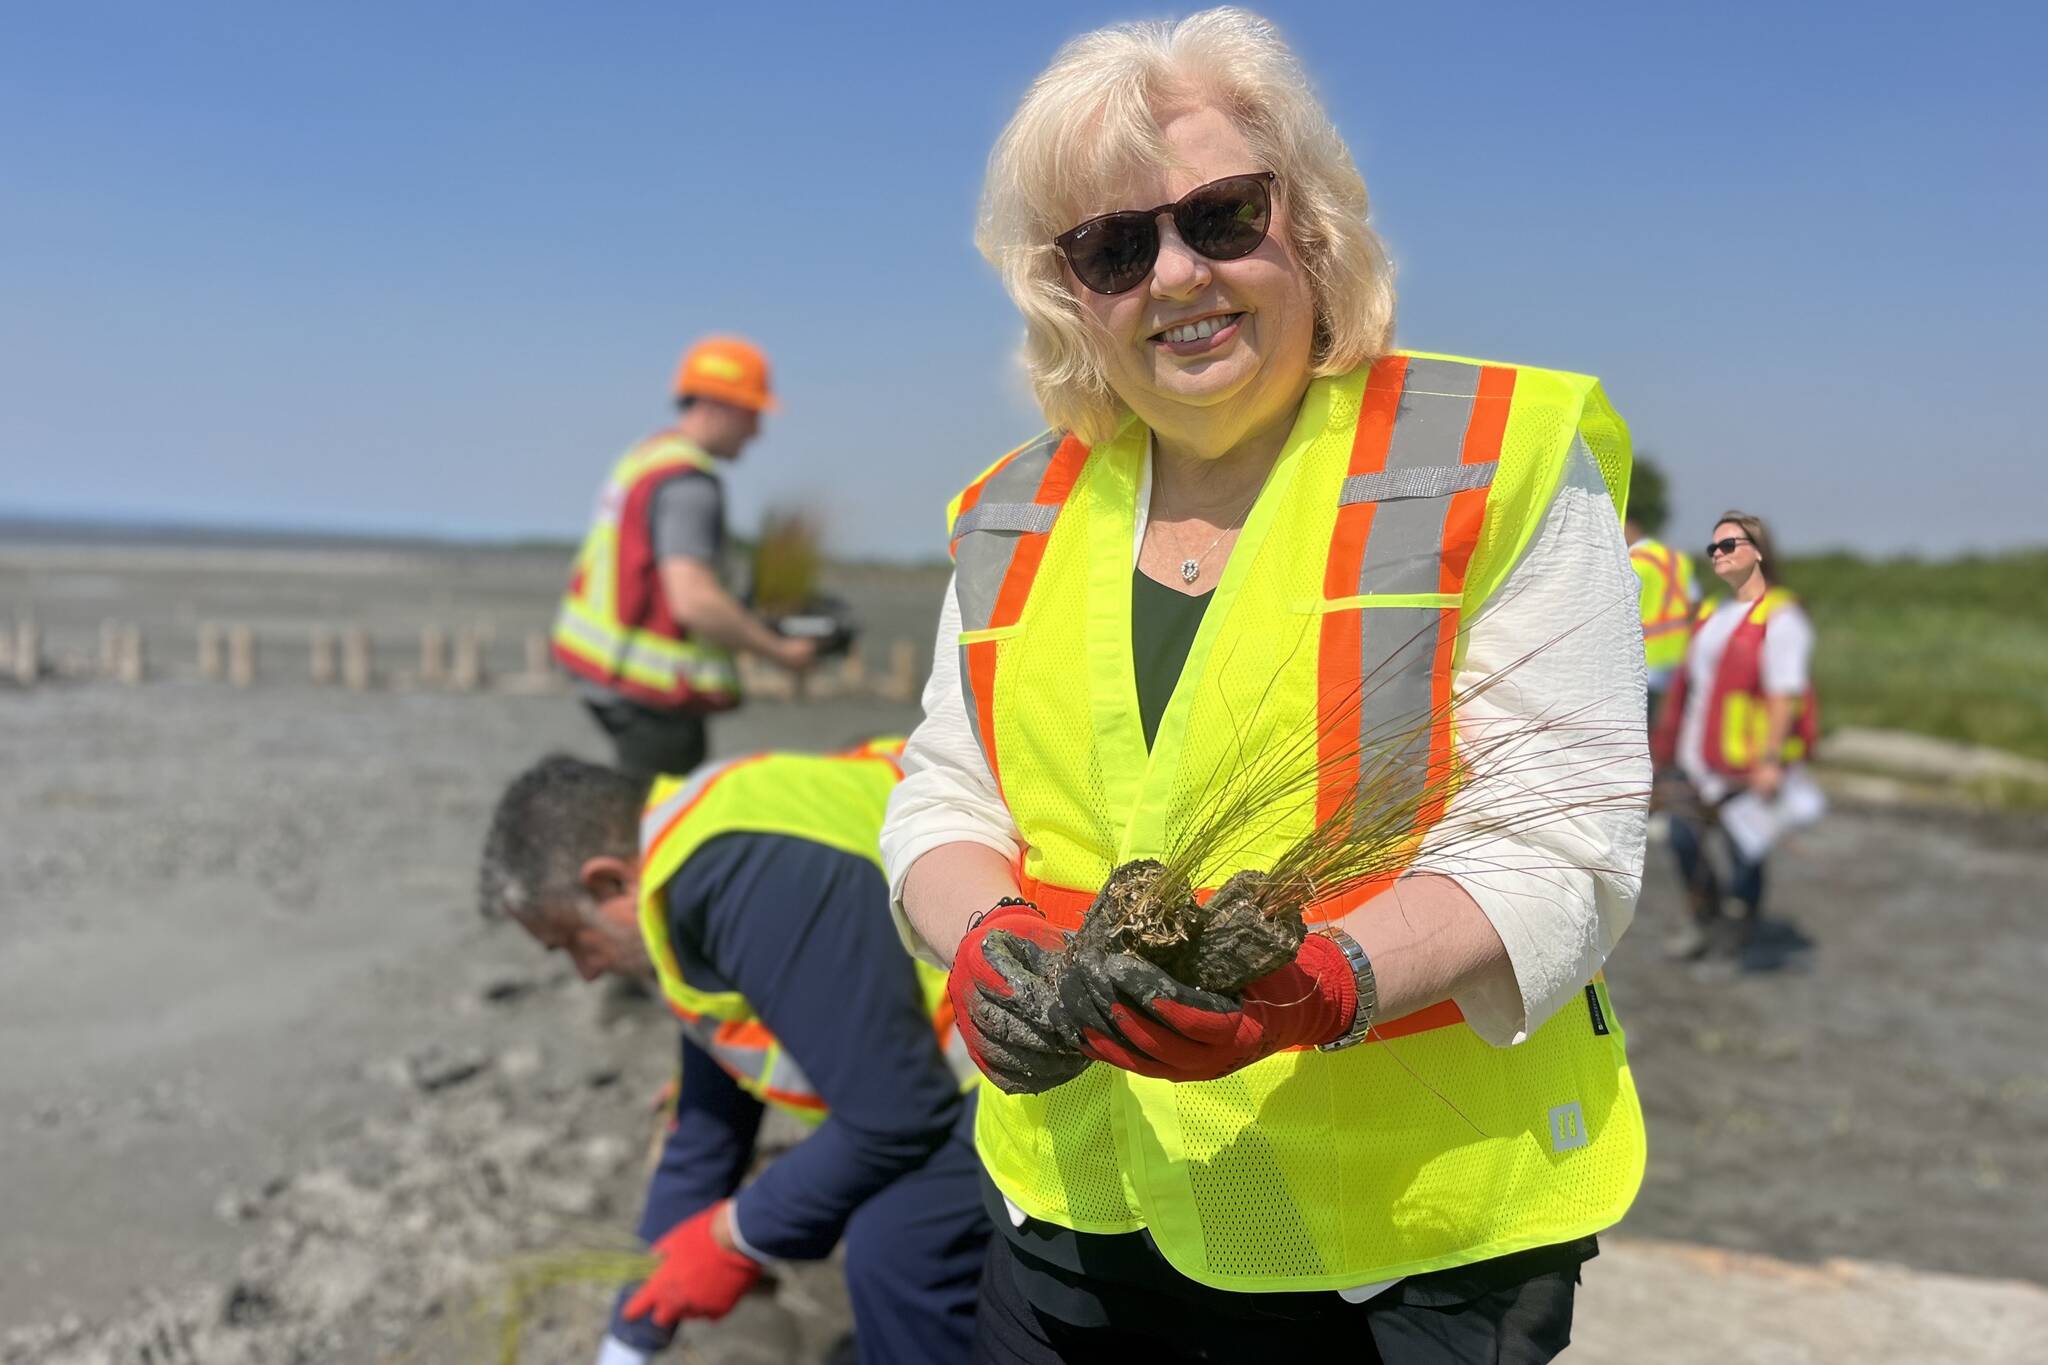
(1191, 569)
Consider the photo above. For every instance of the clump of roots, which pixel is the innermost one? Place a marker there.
(1221, 944)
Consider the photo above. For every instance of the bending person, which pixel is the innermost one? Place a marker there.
(1255, 535)
(752, 893)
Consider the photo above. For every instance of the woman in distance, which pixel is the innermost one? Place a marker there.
(1741, 716)
(1253, 522)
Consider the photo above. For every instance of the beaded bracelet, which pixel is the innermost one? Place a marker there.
(974, 920)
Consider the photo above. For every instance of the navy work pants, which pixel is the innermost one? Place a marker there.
(913, 1260)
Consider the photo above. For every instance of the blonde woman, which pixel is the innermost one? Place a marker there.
(1253, 529)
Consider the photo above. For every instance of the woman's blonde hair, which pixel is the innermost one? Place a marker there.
(1092, 118)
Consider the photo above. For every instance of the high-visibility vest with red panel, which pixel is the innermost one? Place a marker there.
(1737, 720)
(1403, 497)
(832, 799)
(1666, 581)
(614, 626)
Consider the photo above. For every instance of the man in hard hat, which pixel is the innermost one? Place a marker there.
(648, 627)
(752, 892)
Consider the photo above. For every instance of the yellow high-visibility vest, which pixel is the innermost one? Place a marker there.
(614, 627)
(832, 799)
(1666, 582)
(1404, 496)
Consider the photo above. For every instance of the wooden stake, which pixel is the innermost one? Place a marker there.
(901, 682)
(110, 647)
(128, 656)
(433, 656)
(468, 673)
(539, 657)
(241, 656)
(320, 665)
(356, 664)
(765, 680)
(210, 651)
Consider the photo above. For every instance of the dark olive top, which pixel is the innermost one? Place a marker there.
(1163, 626)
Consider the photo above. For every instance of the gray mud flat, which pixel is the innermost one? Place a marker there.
(273, 1091)
(1884, 1094)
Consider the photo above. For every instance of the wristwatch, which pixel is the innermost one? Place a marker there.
(1368, 991)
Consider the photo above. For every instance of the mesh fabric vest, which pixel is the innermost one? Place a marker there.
(1665, 577)
(613, 626)
(1405, 493)
(836, 800)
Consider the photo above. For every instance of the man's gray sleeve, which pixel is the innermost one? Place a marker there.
(688, 513)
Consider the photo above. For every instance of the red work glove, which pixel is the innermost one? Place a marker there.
(1005, 1005)
(696, 1277)
(1133, 1015)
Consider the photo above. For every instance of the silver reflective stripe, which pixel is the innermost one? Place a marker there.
(656, 818)
(749, 1062)
(1033, 517)
(1404, 554)
(771, 1068)
(980, 563)
(1437, 481)
(787, 1078)
(568, 621)
(659, 656)
(706, 672)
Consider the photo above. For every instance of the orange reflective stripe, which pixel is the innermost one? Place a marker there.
(1673, 612)
(1362, 687)
(795, 1099)
(1337, 680)
(745, 1033)
(1053, 488)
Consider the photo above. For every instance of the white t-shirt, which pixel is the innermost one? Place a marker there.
(1787, 658)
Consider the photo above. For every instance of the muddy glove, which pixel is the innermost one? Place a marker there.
(1133, 1015)
(1006, 1006)
(696, 1277)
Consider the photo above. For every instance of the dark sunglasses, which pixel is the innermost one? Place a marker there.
(1223, 220)
(1726, 547)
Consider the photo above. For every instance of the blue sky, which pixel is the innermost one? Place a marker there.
(427, 267)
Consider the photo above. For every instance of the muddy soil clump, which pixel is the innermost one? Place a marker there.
(1222, 944)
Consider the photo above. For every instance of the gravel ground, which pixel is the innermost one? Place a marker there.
(270, 1091)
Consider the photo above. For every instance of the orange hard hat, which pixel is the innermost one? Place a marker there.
(727, 369)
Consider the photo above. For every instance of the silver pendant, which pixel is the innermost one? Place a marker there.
(1189, 571)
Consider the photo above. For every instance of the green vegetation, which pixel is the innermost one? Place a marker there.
(1649, 494)
(1957, 649)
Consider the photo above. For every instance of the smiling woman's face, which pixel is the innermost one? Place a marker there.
(1252, 368)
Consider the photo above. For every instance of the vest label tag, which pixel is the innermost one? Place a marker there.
(1568, 1128)
(1599, 1015)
